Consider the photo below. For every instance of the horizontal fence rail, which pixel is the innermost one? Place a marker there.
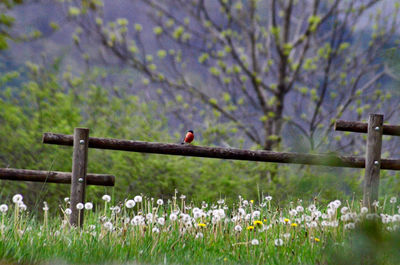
(361, 127)
(53, 177)
(217, 152)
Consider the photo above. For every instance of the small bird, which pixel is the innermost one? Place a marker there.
(189, 137)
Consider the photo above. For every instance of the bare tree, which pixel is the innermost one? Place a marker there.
(258, 64)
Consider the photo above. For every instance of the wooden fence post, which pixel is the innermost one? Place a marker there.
(373, 159)
(78, 180)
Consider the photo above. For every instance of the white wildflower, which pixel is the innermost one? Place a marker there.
(17, 198)
(161, 220)
(268, 198)
(68, 211)
(66, 199)
(293, 212)
(79, 206)
(300, 209)
(344, 210)
(130, 204)
(106, 198)
(138, 198)
(156, 230)
(238, 228)
(199, 235)
(108, 226)
(256, 214)
(255, 242)
(312, 208)
(173, 217)
(364, 210)
(278, 242)
(88, 206)
(337, 203)
(160, 202)
(3, 208)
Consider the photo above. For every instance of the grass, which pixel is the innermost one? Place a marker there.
(146, 231)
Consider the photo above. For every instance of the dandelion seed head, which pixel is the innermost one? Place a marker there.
(22, 207)
(66, 199)
(312, 208)
(116, 209)
(268, 198)
(138, 198)
(238, 228)
(199, 235)
(155, 230)
(393, 200)
(79, 206)
(300, 209)
(3, 208)
(68, 211)
(130, 204)
(108, 226)
(293, 212)
(17, 198)
(278, 242)
(161, 220)
(286, 235)
(255, 242)
(173, 217)
(221, 201)
(344, 210)
(364, 210)
(256, 214)
(88, 206)
(106, 198)
(160, 202)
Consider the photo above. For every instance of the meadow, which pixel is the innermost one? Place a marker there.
(141, 230)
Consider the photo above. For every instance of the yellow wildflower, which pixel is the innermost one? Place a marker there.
(293, 224)
(250, 227)
(257, 222)
(316, 239)
(202, 225)
(286, 220)
(251, 201)
(265, 220)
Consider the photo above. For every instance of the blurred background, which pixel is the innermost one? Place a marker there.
(251, 74)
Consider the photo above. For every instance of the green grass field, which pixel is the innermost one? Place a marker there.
(150, 231)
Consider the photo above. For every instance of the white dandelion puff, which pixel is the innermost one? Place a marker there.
(255, 242)
(68, 211)
(17, 198)
(88, 206)
(393, 200)
(173, 217)
(3, 208)
(130, 204)
(160, 202)
(106, 198)
(79, 206)
(138, 198)
(278, 242)
(108, 226)
(238, 228)
(364, 210)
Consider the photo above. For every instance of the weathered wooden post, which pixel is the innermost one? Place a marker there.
(79, 167)
(373, 159)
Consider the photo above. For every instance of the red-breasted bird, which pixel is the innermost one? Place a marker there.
(189, 137)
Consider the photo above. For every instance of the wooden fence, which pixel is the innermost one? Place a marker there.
(81, 142)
